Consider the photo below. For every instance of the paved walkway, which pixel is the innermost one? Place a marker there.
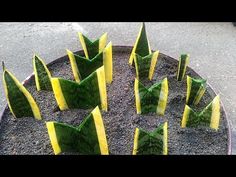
(210, 45)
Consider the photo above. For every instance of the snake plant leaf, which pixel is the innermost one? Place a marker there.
(209, 116)
(141, 46)
(82, 67)
(153, 99)
(183, 62)
(20, 101)
(92, 48)
(153, 143)
(89, 138)
(42, 74)
(145, 66)
(87, 94)
(195, 90)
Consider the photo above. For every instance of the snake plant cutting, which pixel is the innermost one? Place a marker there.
(195, 90)
(209, 116)
(151, 143)
(42, 74)
(87, 94)
(20, 101)
(87, 138)
(152, 99)
(92, 48)
(145, 66)
(141, 46)
(82, 67)
(183, 62)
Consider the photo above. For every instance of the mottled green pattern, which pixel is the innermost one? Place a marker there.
(89, 143)
(92, 47)
(82, 139)
(203, 118)
(149, 97)
(196, 85)
(150, 143)
(158, 132)
(183, 65)
(67, 137)
(142, 46)
(86, 67)
(82, 95)
(19, 103)
(43, 77)
(142, 65)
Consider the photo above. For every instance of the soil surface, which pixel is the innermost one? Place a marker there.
(29, 136)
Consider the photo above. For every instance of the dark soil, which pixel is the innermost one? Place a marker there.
(29, 136)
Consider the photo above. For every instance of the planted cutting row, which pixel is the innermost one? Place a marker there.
(87, 91)
(91, 73)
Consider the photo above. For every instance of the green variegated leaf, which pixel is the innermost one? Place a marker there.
(89, 93)
(210, 116)
(20, 101)
(153, 143)
(88, 138)
(195, 90)
(141, 46)
(153, 99)
(92, 48)
(183, 62)
(42, 74)
(83, 67)
(145, 66)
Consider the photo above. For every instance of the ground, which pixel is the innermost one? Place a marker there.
(211, 47)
